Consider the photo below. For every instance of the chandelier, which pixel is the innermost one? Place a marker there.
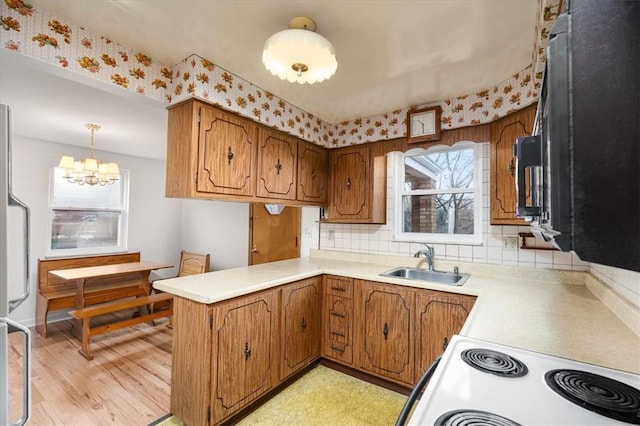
(89, 171)
(299, 54)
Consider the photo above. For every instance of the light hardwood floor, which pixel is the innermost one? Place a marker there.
(127, 383)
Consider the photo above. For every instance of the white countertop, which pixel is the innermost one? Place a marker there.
(546, 311)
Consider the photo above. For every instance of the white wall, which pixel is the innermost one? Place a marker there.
(220, 228)
(154, 221)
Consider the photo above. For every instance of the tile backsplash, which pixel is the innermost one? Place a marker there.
(378, 239)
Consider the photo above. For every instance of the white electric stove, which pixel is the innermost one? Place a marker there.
(482, 383)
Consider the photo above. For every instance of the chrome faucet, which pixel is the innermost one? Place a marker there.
(429, 253)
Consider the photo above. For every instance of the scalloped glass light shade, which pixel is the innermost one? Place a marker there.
(288, 47)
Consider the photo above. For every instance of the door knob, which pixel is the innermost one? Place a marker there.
(254, 249)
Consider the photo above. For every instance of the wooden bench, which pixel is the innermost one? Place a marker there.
(55, 293)
(87, 313)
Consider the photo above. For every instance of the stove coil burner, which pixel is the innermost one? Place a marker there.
(602, 395)
(494, 362)
(473, 418)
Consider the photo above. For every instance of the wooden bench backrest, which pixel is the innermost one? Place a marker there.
(51, 284)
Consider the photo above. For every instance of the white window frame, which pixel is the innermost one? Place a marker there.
(399, 191)
(122, 226)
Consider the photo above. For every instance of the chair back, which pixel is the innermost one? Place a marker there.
(193, 263)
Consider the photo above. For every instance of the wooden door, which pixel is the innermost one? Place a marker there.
(244, 358)
(226, 153)
(349, 184)
(502, 181)
(438, 317)
(277, 159)
(313, 163)
(386, 330)
(301, 316)
(273, 237)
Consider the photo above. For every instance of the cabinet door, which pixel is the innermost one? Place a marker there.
(301, 324)
(502, 181)
(386, 330)
(438, 317)
(349, 184)
(244, 356)
(313, 163)
(226, 153)
(277, 159)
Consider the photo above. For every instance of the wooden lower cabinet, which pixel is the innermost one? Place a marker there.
(337, 319)
(438, 317)
(228, 354)
(301, 324)
(218, 372)
(385, 330)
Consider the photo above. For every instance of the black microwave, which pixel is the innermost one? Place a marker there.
(578, 175)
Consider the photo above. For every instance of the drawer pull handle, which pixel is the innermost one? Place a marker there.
(303, 324)
(338, 289)
(385, 330)
(278, 166)
(338, 334)
(247, 351)
(337, 349)
(338, 315)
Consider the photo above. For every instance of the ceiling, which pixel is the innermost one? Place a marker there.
(391, 55)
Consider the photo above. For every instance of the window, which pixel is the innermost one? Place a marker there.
(86, 220)
(438, 195)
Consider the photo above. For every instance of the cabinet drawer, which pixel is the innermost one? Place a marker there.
(338, 330)
(339, 286)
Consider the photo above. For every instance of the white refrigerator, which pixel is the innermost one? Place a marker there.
(9, 286)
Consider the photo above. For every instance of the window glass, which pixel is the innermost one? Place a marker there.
(439, 193)
(87, 219)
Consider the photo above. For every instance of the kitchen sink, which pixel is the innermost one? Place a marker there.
(440, 277)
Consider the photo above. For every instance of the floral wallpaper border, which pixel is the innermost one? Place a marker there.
(53, 40)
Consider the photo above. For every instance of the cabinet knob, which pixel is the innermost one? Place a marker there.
(512, 168)
(229, 155)
(247, 351)
(313, 174)
(445, 343)
(303, 325)
(348, 183)
(278, 166)
(385, 330)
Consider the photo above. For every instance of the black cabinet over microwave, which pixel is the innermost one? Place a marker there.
(578, 176)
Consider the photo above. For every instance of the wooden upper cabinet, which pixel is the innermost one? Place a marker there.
(385, 333)
(210, 153)
(277, 160)
(301, 324)
(226, 153)
(502, 164)
(313, 164)
(357, 192)
(438, 317)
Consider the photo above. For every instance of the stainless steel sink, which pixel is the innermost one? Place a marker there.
(440, 277)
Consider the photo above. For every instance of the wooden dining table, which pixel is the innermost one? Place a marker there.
(82, 275)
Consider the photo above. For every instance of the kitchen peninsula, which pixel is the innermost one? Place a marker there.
(546, 311)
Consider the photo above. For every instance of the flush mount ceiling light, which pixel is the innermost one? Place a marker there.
(89, 171)
(299, 54)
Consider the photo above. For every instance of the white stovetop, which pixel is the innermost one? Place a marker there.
(526, 400)
(540, 310)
